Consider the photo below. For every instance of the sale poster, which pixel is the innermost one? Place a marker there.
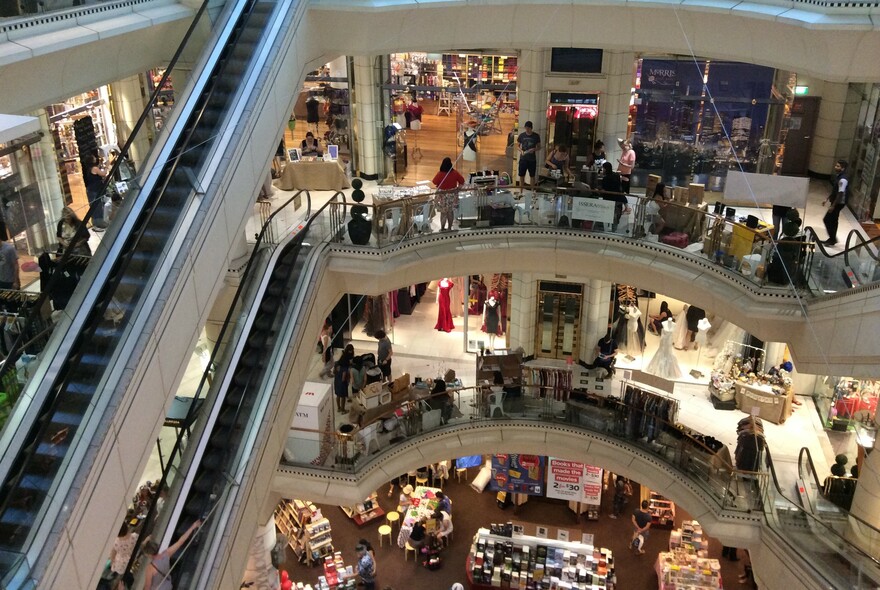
(518, 474)
(574, 481)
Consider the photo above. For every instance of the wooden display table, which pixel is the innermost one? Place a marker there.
(317, 175)
(771, 406)
(365, 511)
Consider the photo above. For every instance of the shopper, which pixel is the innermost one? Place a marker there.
(641, 521)
(656, 325)
(444, 523)
(158, 574)
(838, 197)
(366, 567)
(625, 163)
(121, 553)
(340, 385)
(619, 500)
(447, 179)
(444, 503)
(405, 499)
(325, 340)
(70, 231)
(418, 536)
(529, 143)
(606, 354)
(612, 185)
(9, 271)
(384, 354)
(93, 177)
(597, 158)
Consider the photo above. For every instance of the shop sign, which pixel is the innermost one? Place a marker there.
(574, 481)
(518, 474)
(592, 209)
(573, 98)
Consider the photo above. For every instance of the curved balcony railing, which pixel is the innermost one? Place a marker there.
(832, 553)
(745, 247)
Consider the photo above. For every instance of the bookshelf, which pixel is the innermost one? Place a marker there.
(307, 531)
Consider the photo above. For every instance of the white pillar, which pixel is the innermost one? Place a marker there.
(523, 307)
(614, 103)
(128, 104)
(866, 506)
(367, 117)
(597, 294)
(773, 353)
(47, 174)
(827, 137)
(259, 567)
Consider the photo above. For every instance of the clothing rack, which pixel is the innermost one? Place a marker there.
(646, 414)
(557, 381)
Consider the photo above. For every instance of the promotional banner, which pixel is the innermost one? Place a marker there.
(592, 209)
(518, 474)
(574, 481)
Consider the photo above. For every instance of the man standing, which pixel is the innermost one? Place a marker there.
(529, 143)
(384, 354)
(837, 197)
(9, 277)
(641, 521)
(366, 567)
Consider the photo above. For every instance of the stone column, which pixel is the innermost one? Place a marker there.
(259, 567)
(597, 294)
(614, 103)
(47, 175)
(773, 353)
(532, 99)
(826, 140)
(523, 307)
(128, 104)
(866, 506)
(366, 107)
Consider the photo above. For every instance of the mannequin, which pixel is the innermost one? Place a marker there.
(702, 336)
(444, 314)
(492, 319)
(634, 342)
(664, 364)
(680, 338)
(469, 152)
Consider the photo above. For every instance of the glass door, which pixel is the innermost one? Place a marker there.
(558, 320)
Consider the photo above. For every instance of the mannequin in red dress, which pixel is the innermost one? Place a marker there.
(444, 317)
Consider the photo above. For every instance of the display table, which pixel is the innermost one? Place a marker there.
(424, 503)
(317, 175)
(365, 511)
(680, 569)
(775, 407)
(497, 561)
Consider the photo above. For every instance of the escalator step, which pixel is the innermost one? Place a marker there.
(226, 417)
(17, 517)
(205, 483)
(39, 483)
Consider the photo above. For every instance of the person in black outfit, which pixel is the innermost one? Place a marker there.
(838, 198)
(310, 146)
(417, 537)
(606, 351)
(611, 184)
(693, 315)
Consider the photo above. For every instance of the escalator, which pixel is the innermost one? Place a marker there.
(856, 265)
(245, 388)
(41, 465)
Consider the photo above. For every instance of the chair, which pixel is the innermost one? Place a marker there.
(407, 548)
(385, 531)
(495, 401)
(393, 518)
(459, 471)
(422, 220)
(439, 473)
(422, 477)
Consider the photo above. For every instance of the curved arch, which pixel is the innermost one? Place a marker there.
(771, 314)
(840, 49)
(556, 440)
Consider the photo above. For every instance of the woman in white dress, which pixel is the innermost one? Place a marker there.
(664, 364)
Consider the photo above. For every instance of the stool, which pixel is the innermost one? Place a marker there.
(385, 531)
(422, 478)
(393, 517)
(459, 471)
(406, 551)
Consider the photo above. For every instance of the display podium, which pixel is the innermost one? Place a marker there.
(775, 407)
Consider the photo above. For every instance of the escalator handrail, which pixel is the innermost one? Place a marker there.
(82, 231)
(295, 242)
(827, 529)
(849, 246)
(811, 465)
(193, 410)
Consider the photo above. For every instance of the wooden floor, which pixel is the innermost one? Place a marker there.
(437, 139)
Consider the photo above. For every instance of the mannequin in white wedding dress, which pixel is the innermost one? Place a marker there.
(634, 340)
(664, 364)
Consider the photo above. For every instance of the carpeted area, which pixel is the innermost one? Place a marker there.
(472, 511)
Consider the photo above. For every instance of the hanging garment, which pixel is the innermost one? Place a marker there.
(680, 339)
(664, 364)
(456, 297)
(444, 314)
(476, 297)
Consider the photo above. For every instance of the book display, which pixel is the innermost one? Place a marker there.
(662, 510)
(365, 511)
(532, 563)
(336, 575)
(690, 538)
(307, 531)
(680, 569)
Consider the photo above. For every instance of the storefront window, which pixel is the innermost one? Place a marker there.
(572, 119)
(22, 207)
(694, 121)
(865, 157)
(165, 100)
(847, 403)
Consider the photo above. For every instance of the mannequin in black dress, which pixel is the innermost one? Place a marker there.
(492, 319)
